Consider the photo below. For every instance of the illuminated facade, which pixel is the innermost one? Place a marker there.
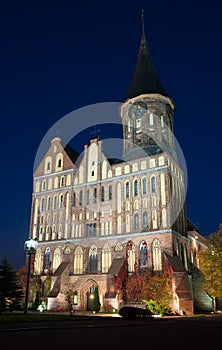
(92, 215)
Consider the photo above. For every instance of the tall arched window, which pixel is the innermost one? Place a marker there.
(127, 189)
(144, 185)
(110, 192)
(143, 254)
(93, 259)
(42, 204)
(102, 194)
(78, 261)
(145, 220)
(135, 188)
(157, 255)
(130, 255)
(61, 200)
(136, 221)
(56, 259)
(48, 203)
(74, 199)
(87, 196)
(94, 195)
(80, 197)
(153, 184)
(106, 258)
(47, 259)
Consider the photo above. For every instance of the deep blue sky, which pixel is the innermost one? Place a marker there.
(58, 56)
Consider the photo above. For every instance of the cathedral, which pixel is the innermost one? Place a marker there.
(91, 215)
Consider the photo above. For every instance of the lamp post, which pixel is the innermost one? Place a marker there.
(30, 248)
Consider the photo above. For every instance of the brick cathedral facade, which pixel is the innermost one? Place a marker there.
(91, 215)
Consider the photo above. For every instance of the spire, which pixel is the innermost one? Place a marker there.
(145, 79)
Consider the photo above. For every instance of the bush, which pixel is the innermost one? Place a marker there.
(158, 309)
(131, 312)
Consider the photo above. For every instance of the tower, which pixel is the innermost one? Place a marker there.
(147, 111)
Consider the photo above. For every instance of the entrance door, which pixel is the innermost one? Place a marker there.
(90, 297)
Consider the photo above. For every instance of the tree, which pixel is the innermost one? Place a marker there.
(211, 266)
(10, 290)
(96, 302)
(150, 285)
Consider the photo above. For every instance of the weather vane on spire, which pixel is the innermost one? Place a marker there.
(142, 18)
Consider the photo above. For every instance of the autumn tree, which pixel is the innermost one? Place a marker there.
(149, 285)
(211, 266)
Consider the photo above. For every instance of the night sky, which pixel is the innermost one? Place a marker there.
(59, 56)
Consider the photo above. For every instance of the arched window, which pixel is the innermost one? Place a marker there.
(62, 181)
(153, 184)
(130, 255)
(48, 203)
(80, 197)
(157, 255)
(47, 259)
(106, 258)
(44, 185)
(61, 200)
(136, 221)
(56, 259)
(143, 254)
(127, 223)
(93, 259)
(145, 220)
(136, 188)
(127, 189)
(74, 199)
(37, 263)
(144, 185)
(42, 204)
(95, 194)
(110, 192)
(102, 194)
(78, 261)
(87, 197)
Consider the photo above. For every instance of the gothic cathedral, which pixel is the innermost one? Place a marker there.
(92, 215)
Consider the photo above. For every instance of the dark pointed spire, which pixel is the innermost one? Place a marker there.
(142, 18)
(145, 79)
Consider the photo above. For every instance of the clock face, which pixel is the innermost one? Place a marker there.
(137, 110)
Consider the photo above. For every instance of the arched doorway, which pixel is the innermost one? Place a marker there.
(90, 297)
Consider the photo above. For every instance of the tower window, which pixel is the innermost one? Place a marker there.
(94, 195)
(136, 188)
(102, 194)
(144, 185)
(127, 189)
(153, 184)
(110, 192)
(80, 198)
(48, 166)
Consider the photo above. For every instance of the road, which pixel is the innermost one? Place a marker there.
(199, 332)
